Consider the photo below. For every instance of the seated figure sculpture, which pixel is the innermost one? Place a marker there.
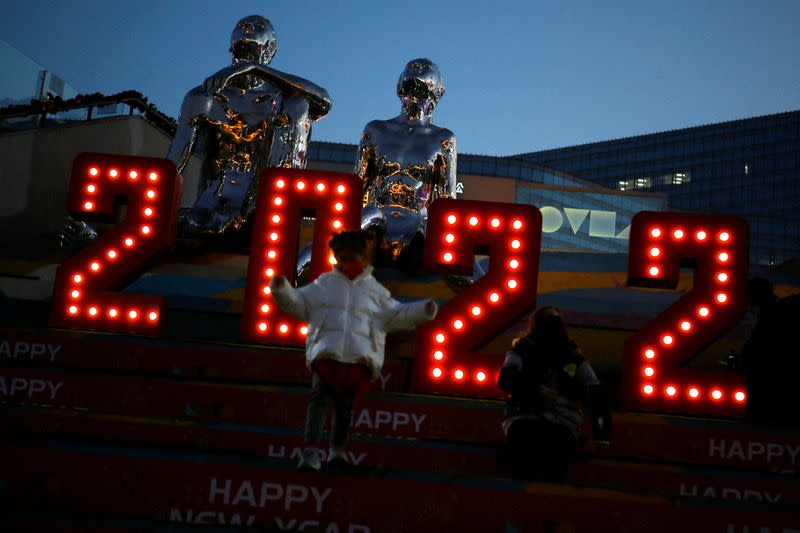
(406, 163)
(246, 117)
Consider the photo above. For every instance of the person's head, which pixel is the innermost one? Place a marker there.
(420, 88)
(760, 295)
(350, 247)
(254, 39)
(548, 325)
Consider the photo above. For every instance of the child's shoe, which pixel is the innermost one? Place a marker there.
(311, 460)
(337, 456)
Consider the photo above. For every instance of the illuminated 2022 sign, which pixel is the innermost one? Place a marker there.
(87, 287)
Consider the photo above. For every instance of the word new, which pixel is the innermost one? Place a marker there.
(257, 495)
(209, 518)
(10, 386)
(28, 350)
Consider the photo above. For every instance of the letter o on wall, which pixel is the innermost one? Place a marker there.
(552, 219)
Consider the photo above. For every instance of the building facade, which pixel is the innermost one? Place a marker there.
(748, 167)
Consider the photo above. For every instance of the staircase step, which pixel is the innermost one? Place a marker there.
(168, 485)
(398, 454)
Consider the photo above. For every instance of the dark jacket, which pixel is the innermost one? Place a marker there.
(552, 383)
(771, 360)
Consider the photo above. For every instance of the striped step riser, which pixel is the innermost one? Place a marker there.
(181, 488)
(406, 455)
(646, 437)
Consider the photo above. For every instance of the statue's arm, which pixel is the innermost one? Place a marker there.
(447, 173)
(318, 99)
(187, 132)
(366, 164)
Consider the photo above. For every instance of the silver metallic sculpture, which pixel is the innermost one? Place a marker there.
(247, 117)
(405, 164)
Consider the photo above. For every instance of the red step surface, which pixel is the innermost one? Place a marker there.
(400, 454)
(122, 353)
(213, 488)
(637, 436)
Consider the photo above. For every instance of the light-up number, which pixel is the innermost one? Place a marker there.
(457, 230)
(653, 377)
(86, 292)
(284, 195)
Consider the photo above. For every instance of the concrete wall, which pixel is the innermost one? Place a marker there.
(35, 168)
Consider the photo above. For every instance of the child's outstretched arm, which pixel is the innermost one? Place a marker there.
(399, 316)
(291, 301)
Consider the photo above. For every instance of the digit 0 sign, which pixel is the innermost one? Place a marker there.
(653, 376)
(457, 229)
(86, 292)
(283, 195)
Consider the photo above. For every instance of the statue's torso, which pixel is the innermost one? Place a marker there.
(408, 162)
(240, 127)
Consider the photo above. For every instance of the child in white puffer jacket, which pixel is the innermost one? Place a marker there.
(348, 314)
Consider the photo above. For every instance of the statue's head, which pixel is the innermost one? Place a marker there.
(420, 87)
(254, 39)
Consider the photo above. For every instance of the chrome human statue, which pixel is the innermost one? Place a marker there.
(407, 162)
(246, 117)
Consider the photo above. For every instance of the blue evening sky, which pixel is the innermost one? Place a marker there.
(520, 75)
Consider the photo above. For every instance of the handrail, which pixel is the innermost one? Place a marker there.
(55, 104)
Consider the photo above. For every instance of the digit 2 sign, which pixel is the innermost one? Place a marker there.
(653, 375)
(511, 235)
(86, 291)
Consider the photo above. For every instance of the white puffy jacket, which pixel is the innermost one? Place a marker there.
(348, 319)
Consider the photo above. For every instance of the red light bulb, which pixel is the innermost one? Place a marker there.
(300, 185)
(437, 372)
(480, 376)
(495, 223)
(473, 221)
(320, 187)
(93, 171)
(716, 394)
(648, 389)
(655, 252)
(458, 374)
(678, 234)
(694, 392)
(517, 224)
(671, 391)
(133, 175)
(153, 316)
(655, 232)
